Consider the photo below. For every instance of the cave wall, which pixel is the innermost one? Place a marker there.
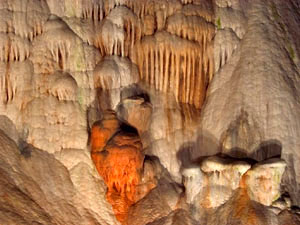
(195, 78)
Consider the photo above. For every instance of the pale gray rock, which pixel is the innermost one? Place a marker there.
(263, 181)
(193, 182)
(256, 93)
(37, 189)
(53, 124)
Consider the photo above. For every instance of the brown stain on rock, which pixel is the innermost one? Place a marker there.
(243, 209)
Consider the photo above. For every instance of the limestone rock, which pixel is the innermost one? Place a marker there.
(245, 86)
(264, 179)
(286, 217)
(193, 182)
(155, 205)
(111, 76)
(241, 210)
(52, 124)
(175, 85)
(176, 217)
(37, 189)
(137, 112)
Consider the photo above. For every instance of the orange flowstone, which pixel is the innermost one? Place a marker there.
(119, 161)
(103, 130)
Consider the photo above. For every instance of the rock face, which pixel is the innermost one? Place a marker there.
(38, 189)
(149, 112)
(263, 181)
(256, 93)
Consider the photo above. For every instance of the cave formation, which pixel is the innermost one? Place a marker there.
(116, 151)
(140, 112)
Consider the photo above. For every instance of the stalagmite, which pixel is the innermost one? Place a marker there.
(103, 130)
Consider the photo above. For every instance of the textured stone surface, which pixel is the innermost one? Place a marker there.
(193, 78)
(256, 92)
(263, 181)
(217, 179)
(37, 189)
(117, 155)
(241, 210)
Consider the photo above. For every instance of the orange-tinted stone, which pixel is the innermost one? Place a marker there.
(118, 158)
(103, 130)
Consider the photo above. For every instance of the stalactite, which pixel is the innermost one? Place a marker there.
(161, 9)
(186, 1)
(13, 48)
(161, 69)
(224, 52)
(7, 89)
(177, 77)
(93, 10)
(166, 72)
(62, 85)
(59, 53)
(118, 33)
(156, 66)
(7, 92)
(193, 28)
(177, 65)
(152, 67)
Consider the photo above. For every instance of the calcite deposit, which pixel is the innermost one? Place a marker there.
(152, 112)
(117, 155)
